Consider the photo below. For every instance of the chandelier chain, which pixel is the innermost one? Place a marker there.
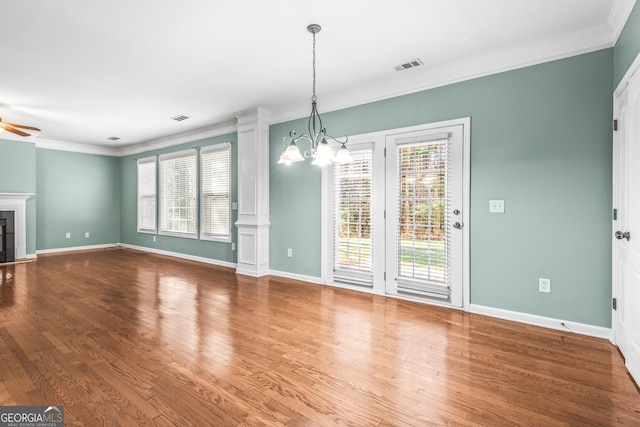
(314, 98)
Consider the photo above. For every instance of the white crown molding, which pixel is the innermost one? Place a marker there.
(411, 81)
(421, 79)
(217, 129)
(8, 136)
(618, 16)
(76, 147)
(156, 144)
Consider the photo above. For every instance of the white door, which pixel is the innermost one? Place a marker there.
(424, 185)
(626, 225)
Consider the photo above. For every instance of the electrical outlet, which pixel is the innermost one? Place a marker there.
(86, 234)
(233, 246)
(290, 253)
(544, 285)
(496, 206)
(154, 238)
(67, 235)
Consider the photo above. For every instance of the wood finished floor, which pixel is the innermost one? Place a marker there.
(126, 338)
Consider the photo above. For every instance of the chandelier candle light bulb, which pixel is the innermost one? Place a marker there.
(320, 150)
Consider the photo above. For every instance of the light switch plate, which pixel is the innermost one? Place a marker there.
(496, 206)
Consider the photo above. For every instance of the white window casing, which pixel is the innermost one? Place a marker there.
(353, 235)
(178, 207)
(215, 192)
(147, 195)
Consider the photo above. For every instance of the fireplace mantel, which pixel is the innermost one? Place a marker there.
(15, 196)
(17, 202)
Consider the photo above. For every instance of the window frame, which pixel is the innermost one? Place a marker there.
(227, 237)
(144, 161)
(344, 274)
(190, 153)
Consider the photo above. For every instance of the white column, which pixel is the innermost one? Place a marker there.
(253, 193)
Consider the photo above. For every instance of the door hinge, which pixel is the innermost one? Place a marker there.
(385, 214)
(615, 304)
(615, 124)
(615, 214)
(385, 152)
(384, 275)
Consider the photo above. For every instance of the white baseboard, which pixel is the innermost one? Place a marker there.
(179, 255)
(72, 249)
(545, 322)
(31, 256)
(301, 277)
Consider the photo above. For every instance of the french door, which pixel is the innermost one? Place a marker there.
(424, 212)
(626, 224)
(399, 212)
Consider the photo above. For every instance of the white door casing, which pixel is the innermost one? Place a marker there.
(385, 203)
(626, 247)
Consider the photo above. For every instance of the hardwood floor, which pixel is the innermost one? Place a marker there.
(120, 337)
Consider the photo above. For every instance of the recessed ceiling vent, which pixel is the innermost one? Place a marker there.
(179, 118)
(411, 64)
(113, 138)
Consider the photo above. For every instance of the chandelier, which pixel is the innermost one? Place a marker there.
(316, 134)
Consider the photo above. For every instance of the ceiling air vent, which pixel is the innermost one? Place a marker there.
(179, 118)
(113, 138)
(411, 64)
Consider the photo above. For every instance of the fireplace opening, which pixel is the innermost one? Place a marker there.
(7, 237)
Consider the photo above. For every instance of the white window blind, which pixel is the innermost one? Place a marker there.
(178, 192)
(353, 221)
(215, 203)
(422, 234)
(147, 195)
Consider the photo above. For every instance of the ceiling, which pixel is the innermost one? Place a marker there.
(84, 71)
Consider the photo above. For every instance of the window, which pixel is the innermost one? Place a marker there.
(422, 236)
(147, 195)
(215, 192)
(178, 190)
(353, 219)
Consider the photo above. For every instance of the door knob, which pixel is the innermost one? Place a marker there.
(457, 225)
(620, 235)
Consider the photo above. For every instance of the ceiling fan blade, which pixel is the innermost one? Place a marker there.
(22, 126)
(10, 128)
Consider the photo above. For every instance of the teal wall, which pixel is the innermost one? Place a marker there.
(18, 175)
(202, 248)
(540, 140)
(77, 193)
(628, 45)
